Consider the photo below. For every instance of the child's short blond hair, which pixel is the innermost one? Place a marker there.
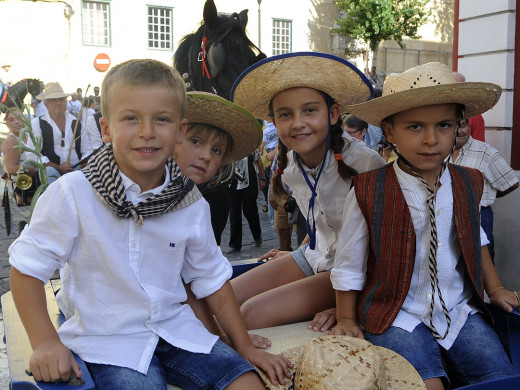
(141, 72)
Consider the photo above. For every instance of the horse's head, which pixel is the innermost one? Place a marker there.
(17, 92)
(214, 56)
(33, 87)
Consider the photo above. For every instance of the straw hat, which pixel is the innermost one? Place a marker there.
(52, 91)
(338, 78)
(342, 362)
(209, 109)
(424, 85)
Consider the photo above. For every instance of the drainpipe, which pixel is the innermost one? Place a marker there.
(259, 25)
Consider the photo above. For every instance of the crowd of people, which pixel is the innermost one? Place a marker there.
(390, 196)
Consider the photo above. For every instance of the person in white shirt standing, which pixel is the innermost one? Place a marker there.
(5, 77)
(74, 105)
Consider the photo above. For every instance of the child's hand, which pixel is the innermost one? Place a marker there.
(505, 299)
(348, 327)
(52, 362)
(323, 321)
(272, 254)
(276, 366)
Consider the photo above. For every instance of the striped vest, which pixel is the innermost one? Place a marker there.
(392, 241)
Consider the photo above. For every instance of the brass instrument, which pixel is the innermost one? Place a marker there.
(23, 180)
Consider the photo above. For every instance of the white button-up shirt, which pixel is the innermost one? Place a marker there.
(350, 267)
(122, 286)
(63, 151)
(332, 191)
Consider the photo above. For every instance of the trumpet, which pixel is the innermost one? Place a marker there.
(23, 180)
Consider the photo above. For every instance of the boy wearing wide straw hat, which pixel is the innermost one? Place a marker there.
(413, 256)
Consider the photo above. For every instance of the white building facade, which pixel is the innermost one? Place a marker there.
(58, 42)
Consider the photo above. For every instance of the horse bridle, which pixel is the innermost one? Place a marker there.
(215, 55)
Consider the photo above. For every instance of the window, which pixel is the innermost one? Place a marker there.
(160, 28)
(96, 22)
(282, 38)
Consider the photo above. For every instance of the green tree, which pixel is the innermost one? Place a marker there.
(375, 21)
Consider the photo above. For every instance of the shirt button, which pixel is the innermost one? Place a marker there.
(440, 243)
(133, 245)
(430, 296)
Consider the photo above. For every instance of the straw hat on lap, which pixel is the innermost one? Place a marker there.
(343, 362)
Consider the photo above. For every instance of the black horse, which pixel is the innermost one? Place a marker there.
(16, 93)
(210, 60)
(214, 56)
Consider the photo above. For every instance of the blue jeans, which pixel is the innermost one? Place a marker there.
(175, 366)
(299, 256)
(476, 355)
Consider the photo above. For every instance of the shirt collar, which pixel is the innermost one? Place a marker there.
(133, 191)
(466, 145)
(414, 180)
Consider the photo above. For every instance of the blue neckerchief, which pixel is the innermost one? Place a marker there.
(312, 232)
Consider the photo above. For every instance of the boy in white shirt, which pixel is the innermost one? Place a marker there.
(130, 229)
(412, 265)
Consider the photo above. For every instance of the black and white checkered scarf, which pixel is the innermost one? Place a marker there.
(102, 172)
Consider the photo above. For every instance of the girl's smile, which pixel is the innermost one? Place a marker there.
(301, 118)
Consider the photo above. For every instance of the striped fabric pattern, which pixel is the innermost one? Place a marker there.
(103, 174)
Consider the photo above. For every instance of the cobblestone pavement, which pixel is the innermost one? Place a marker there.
(19, 214)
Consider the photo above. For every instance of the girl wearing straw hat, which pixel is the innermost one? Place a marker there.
(413, 255)
(317, 160)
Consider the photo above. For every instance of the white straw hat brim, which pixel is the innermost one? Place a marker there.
(477, 97)
(425, 85)
(210, 109)
(56, 95)
(53, 90)
(341, 80)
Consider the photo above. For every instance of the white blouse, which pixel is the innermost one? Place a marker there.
(332, 192)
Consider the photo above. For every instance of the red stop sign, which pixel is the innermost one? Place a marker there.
(102, 62)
